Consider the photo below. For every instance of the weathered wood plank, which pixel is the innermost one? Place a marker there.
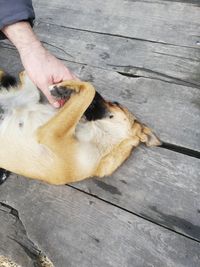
(171, 110)
(14, 242)
(157, 184)
(167, 62)
(8, 232)
(75, 229)
(172, 22)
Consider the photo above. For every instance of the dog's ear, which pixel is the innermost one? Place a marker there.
(144, 134)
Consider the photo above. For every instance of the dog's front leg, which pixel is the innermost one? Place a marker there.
(79, 95)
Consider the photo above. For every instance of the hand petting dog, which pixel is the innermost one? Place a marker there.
(43, 68)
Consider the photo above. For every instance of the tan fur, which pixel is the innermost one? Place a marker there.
(42, 261)
(59, 147)
(5, 262)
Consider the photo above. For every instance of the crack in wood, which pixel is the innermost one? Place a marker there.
(39, 21)
(142, 215)
(48, 44)
(20, 236)
(136, 72)
(187, 58)
(125, 70)
(181, 150)
(129, 75)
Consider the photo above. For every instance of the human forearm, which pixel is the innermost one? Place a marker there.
(22, 36)
(12, 11)
(41, 66)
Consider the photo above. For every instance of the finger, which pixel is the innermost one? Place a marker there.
(51, 99)
(75, 77)
(70, 75)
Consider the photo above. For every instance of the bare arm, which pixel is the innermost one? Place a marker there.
(42, 67)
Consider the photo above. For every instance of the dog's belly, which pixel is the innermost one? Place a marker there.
(87, 158)
(22, 154)
(19, 150)
(26, 158)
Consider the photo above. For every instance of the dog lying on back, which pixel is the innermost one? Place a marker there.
(87, 137)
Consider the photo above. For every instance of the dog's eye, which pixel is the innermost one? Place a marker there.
(111, 116)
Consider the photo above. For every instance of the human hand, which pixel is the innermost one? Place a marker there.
(42, 67)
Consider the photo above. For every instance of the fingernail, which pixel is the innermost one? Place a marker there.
(56, 104)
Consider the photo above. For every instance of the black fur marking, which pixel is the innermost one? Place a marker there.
(8, 81)
(62, 92)
(4, 174)
(97, 109)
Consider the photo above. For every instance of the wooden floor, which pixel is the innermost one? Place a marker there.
(146, 55)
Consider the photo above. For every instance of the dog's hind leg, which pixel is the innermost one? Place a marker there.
(79, 95)
(119, 154)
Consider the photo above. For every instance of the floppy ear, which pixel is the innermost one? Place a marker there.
(145, 134)
(151, 138)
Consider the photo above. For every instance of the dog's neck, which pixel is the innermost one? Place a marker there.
(103, 134)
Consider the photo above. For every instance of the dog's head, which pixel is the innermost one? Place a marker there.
(118, 120)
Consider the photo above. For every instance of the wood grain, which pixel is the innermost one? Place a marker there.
(160, 185)
(9, 229)
(134, 57)
(75, 229)
(172, 22)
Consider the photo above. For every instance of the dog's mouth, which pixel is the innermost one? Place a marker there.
(97, 109)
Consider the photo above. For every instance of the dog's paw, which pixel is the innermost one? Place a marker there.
(61, 92)
(4, 174)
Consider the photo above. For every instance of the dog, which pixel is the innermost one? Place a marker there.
(88, 136)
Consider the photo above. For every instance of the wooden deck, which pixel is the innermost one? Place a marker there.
(146, 55)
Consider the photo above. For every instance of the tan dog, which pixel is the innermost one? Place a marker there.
(87, 137)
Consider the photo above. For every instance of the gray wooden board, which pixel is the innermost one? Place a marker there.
(75, 229)
(172, 22)
(9, 228)
(171, 110)
(139, 57)
(157, 184)
(14, 242)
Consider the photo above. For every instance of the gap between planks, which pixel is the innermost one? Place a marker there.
(39, 21)
(133, 213)
(124, 70)
(181, 150)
